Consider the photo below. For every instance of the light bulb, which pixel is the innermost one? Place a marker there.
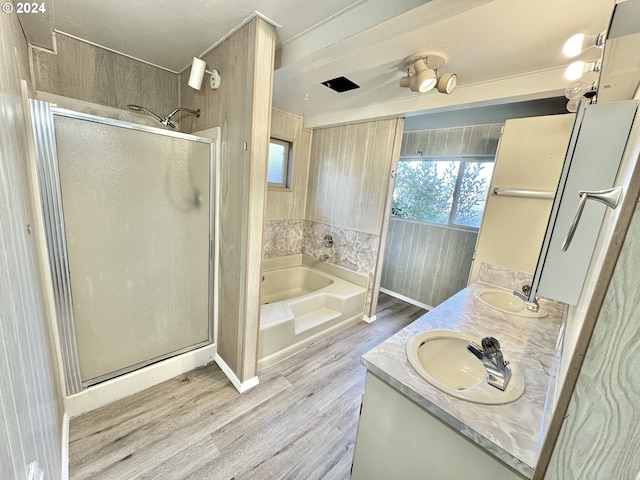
(427, 84)
(575, 70)
(447, 83)
(579, 42)
(424, 78)
(573, 104)
(573, 46)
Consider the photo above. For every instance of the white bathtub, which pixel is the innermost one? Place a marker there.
(301, 305)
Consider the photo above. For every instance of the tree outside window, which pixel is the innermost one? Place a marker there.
(443, 191)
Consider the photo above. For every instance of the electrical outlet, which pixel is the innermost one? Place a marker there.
(34, 472)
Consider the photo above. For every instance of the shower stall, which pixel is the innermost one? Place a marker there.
(130, 216)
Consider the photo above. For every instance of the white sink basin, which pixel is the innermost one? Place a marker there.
(506, 301)
(441, 358)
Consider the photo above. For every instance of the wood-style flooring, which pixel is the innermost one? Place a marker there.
(300, 422)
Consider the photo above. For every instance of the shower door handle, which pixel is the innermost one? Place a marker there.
(609, 197)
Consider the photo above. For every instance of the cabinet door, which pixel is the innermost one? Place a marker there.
(592, 165)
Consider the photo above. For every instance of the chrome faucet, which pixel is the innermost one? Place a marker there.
(323, 257)
(531, 305)
(491, 357)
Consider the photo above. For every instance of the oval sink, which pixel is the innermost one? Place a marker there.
(441, 358)
(506, 301)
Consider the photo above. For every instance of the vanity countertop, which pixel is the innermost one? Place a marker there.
(509, 432)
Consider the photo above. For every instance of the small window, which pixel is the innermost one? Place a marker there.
(279, 163)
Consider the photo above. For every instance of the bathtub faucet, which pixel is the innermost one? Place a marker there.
(323, 257)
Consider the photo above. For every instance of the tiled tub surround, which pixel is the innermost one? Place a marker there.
(282, 238)
(301, 304)
(352, 250)
(509, 432)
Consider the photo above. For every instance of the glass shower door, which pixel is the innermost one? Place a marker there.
(137, 218)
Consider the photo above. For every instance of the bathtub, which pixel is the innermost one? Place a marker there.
(301, 305)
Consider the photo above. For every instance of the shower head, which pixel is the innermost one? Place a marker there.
(188, 110)
(164, 121)
(139, 109)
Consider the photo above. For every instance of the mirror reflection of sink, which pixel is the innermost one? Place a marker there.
(506, 301)
(441, 358)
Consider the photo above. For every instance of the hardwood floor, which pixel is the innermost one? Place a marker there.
(299, 423)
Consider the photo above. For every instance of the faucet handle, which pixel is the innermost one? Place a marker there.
(474, 348)
(490, 345)
(531, 305)
(522, 296)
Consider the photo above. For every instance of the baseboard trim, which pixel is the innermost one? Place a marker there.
(65, 447)
(399, 296)
(241, 387)
(120, 387)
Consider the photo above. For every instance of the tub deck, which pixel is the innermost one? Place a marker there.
(301, 305)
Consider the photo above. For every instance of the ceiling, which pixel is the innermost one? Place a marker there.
(502, 50)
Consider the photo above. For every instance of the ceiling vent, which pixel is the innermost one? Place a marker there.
(340, 84)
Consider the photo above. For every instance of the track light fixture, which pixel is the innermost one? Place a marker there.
(198, 69)
(422, 74)
(447, 83)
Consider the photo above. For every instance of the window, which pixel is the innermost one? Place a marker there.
(279, 163)
(443, 191)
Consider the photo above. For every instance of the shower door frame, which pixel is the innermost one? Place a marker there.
(43, 115)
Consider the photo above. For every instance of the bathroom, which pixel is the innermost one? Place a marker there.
(243, 109)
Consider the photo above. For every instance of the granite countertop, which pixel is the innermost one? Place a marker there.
(509, 432)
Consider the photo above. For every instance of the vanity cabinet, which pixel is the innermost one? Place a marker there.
(397, 438)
